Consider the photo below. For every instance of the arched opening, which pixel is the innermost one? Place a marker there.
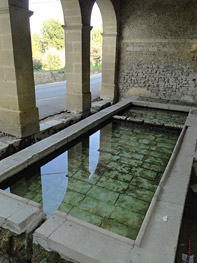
(96, 52)
(77, 46)
(48, 50)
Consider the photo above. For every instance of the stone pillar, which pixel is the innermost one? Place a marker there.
(106, 138)
(27, 188)
(108, 88)
(78, 157)
(77, 45)
(18, 112)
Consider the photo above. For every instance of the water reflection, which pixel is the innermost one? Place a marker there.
(48, 185)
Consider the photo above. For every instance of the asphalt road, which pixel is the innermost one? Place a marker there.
(50, 98)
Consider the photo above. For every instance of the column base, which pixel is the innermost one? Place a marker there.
(79, 103)
(19, 123)
(108, 92)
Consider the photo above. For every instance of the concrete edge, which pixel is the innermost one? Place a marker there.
(134, 120)
(173, 156)
(30, 218)
(162, 106)
(95, 228)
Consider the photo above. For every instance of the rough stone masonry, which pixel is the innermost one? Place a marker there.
(158, 48)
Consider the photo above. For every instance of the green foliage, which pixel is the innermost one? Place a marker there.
(52, 34)
(96, 48)
(52, 60)
(97, 36)
(43, 260)
(37, 46)
(37, 65)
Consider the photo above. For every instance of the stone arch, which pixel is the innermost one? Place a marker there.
(108, 89)
(72, 12)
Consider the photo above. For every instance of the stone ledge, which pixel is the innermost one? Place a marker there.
(79, 241)
(19, 215)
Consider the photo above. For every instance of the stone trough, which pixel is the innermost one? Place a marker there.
(73, 240)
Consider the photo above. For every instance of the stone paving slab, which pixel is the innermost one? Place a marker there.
(19, 215)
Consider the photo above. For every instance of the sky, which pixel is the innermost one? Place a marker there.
(54, 10)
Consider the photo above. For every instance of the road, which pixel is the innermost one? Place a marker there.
(50, 98)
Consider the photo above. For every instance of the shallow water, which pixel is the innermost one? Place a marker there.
(162, 117)
(108, 179)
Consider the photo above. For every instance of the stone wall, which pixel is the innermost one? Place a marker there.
(48, 77)
(158, 48)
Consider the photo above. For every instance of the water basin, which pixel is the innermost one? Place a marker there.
(108, 179)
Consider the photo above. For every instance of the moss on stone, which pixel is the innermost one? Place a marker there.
(41, 255)
(17, 246)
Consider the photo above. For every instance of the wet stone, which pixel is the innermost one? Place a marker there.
(144, 183)
(84, 176)
(156, 161)
(165, 145)
(153, 167)
(158, 155)
(133, 204)
(96, 207)
(114, 226)
(102, 194)
(127, 217)
(130, 162)
(113, 185)
(131, 155)
(144, 141)
(65, 208)
(73, 198)
(78, 186)
(86, 216)
(145, 173)
(140, 193)
(120, 168)
(125, 177)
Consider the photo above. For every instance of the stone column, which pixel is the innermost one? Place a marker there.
(18, 112)
(77, 45)
(78, 157)
(108, 88)
(26, 186)
(106, 138)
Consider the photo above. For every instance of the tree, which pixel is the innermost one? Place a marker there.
(52, 34)
(97, 36)
(96, 47)
(52, 60)
(37, 46)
